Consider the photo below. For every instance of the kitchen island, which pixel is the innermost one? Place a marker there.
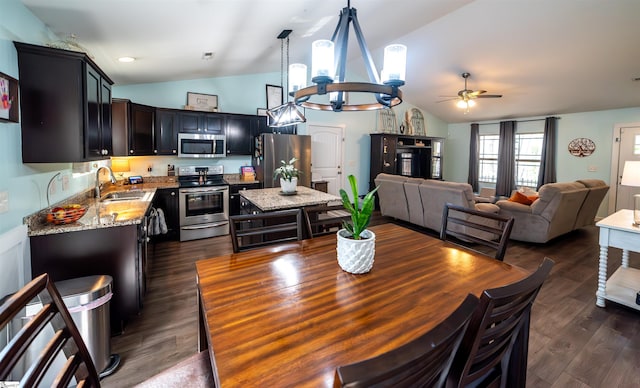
(271, 199)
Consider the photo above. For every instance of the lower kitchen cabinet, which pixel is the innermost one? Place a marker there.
(118, 251)
(167, 200)
(234, 196)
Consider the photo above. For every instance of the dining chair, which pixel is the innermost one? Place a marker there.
(423, 362)
(469, 227)
(502, 316)
(65, 339)
(249, 231)
(65, 342)
(323, 220)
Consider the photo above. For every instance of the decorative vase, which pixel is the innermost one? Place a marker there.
(289, 186)
(356, 256)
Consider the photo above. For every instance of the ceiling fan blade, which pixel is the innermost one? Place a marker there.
(448, 99)
(489, 96)
(476, 93)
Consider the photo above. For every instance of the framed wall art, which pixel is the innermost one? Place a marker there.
(8, 99)
(274, 96)
(202, 102)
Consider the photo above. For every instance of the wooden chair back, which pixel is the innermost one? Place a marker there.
(423, 362)
(249, 231)
(469, 227)
(323, 220)
(65, 341)
(502, 316)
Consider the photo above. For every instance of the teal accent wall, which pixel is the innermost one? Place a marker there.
(597, 126)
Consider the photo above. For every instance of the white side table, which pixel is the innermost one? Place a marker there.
(617, 231)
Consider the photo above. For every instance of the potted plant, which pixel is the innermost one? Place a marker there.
(356, 243)
(288, 176)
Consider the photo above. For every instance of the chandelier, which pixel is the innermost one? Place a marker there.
(328, 74)
(287, 113)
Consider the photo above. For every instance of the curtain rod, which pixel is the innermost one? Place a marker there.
(520, 121)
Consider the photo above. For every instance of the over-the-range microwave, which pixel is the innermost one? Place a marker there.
(199, 145)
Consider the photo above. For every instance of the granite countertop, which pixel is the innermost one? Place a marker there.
(102, 214)
(272, 199)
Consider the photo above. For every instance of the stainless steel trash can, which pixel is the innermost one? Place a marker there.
(87, 299)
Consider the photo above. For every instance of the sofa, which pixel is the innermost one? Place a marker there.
(421, 201)
(560, 208)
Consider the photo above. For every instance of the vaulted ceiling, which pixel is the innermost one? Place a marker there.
(544, 56)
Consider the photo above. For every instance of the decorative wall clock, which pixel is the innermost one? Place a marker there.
(581, 147)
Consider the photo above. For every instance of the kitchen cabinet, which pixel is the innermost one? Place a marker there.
(119, 252)
(133, 128)
(167, 200)
(65, 103)
(413, 156)
(166, 132)
(191, 121)
(240, 131)
(234, 196)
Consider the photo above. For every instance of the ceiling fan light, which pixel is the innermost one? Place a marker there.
(395, 64)
(462, 104)
(471, 103)
(322, 60)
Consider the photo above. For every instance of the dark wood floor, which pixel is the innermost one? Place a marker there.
(573, 343)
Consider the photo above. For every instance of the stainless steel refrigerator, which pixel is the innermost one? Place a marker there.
(271, 149)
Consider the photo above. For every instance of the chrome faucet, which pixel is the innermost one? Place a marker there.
(111, 176)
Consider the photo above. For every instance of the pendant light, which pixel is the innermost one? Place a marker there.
(329, 74)
(288, 113)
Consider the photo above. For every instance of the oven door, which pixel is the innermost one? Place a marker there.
(203, 205)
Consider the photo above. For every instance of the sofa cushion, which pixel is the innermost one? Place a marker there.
(435, 194)
(391, 195)
(597, 191)
(414, 203)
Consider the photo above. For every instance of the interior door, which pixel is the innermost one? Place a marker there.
(629, 150)
(326, 155)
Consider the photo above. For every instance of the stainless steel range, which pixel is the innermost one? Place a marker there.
(204, 202)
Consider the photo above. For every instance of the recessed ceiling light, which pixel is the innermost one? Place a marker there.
(207, 55)
(126, 59)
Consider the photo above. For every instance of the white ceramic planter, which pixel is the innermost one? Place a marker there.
(356, 256)
(289, 186)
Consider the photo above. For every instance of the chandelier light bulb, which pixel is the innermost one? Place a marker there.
(297, 77)
(395, 64)
(322, 56)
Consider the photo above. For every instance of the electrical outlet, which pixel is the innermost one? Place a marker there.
(4, 201)
(592, 169)
(150, 168)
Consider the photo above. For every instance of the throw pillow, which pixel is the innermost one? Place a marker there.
(532, 197)
(520, 198)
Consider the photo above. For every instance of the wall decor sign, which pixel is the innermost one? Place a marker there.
(202, 102)
(8, 99)
(274, 96)
(581, 147)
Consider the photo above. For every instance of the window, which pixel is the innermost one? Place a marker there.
(528, 152)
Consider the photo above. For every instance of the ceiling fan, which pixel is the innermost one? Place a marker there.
(466, 96)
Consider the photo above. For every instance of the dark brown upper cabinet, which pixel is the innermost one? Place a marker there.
(166, 131)
(133, 128)
(191, 121)
(65, 104)
(240, 131)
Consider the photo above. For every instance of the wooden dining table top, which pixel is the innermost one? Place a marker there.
(288, 315)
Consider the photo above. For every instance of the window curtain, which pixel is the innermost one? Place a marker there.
(547, 173)
(474, 156)
(506, 180)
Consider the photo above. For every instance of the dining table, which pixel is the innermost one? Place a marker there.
(287, 315)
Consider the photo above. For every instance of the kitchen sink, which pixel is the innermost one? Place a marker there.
(127, 196)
